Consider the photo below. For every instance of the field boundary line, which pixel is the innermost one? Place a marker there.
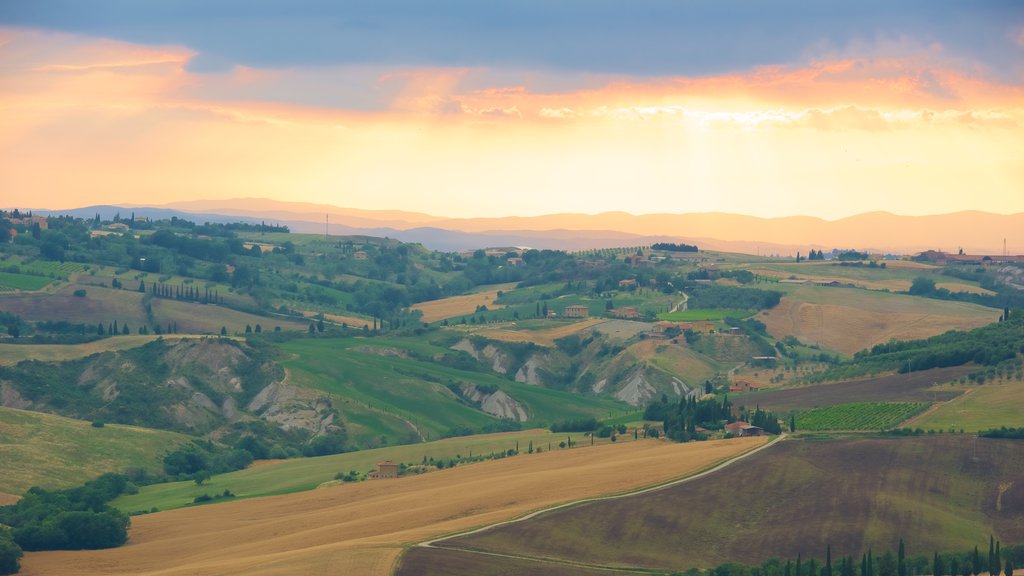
(643, 490)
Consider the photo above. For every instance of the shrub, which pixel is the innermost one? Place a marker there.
(79, 293)
(97, 424)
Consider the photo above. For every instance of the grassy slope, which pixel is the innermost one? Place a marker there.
(938, 492)
(55, 452)
(392, 386)
(991, 405)
(307, 473)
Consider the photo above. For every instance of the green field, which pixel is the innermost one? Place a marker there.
(858, 416)
(698, 314)
(307, 473)
(10, 281)
(50, 451)
(983, 407)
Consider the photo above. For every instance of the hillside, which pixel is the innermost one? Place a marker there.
(55, 452)
(937, 493)
(210, 387)
(363, 528)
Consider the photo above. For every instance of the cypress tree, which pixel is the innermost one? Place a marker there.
(828, 560)
(1008, 571)
(798, 565)
(976, 562)
(901, 560)
(937, 568)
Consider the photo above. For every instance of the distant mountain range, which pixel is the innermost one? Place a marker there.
(975, 232)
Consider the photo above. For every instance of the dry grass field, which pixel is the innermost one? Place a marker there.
(208, 319)
(848, 320)
(435, 310)
(100, 305)
(350, 321)
(13, 353)
(544, 337)
(362, 528)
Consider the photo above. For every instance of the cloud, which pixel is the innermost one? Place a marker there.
(650, 38)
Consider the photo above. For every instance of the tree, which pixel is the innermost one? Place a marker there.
(792, 423)
(828, 561)
(223, 330)
(10, 554)
(14, 331)
(922, 286)
(248, 329)
(901, 560)
(258, 329)
(938, 568)
(1008, 571)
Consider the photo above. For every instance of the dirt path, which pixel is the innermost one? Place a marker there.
(681, 305)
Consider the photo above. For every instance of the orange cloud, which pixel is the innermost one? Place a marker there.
(91, 120)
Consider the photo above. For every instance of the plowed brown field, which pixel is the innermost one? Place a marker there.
(361, 528)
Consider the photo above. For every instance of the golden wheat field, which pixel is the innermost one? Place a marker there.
(544, 337)
(435, 310)
(850, 328)
(362, 528)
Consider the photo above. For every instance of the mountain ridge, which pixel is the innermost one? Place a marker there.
(877, 231)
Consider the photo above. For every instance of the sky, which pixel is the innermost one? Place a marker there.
(466, 108)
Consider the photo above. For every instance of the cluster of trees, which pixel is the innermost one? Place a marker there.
(1003, 432)
(670, 247)
(716, 296)
(576, 425)
(1005, 296)
(815, 255)
(681, 419)
(766, 420)
(73, 519)
(969, 563)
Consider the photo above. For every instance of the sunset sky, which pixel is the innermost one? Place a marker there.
(517, 108)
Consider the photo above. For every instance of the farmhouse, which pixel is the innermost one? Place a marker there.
(576, 311)
(515, 261)
(740, 429)
(385, 469)
(628, 312)
(627, 284)
(359, 255)
(743, 386)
